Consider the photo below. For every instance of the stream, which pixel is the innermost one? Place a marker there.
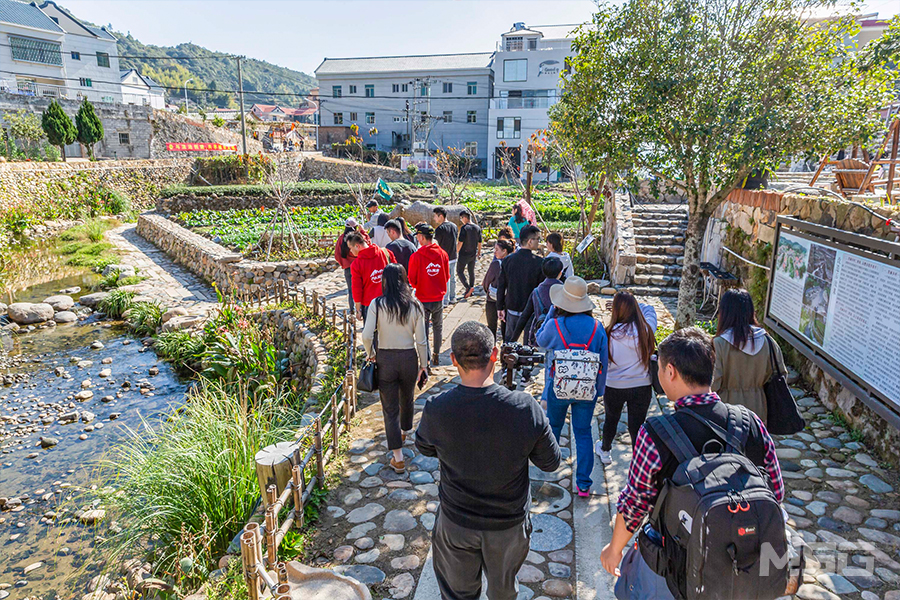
(42, 555)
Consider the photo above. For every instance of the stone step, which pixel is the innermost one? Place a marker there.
(647, 268)
(659, 239)
(667, 223)
(649, 290)
(659, 259)
(659, 214)
(657, 280)
(659, 230)
(649, 249)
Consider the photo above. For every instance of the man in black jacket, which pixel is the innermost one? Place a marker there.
(520, 274)
(485, 489)
(401, 247)
(446, 235)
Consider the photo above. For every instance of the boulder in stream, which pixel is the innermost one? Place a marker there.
(60, 302)
(25, 313)
(91, 300)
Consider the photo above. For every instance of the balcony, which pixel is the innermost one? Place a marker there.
(517, 103)
(502, 47)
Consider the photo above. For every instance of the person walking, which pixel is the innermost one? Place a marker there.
(468, 250)
(366, 270)
(446, 235)
(743, 354)
(555, 243)
(401, 355)
(345, 258)
(502, 249)
(632, 339)
(539, 302)
(378, 234)
(517, 221)
(484, 436)
(375, 213)
(570, 325)
(404, 227)
(399, 246)
(519, 275)
(429, 271)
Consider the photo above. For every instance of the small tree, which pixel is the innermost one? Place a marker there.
(452, 168)
(59, 127)
(90, 129)
(412, 170)
(25, 126)
(218, 121)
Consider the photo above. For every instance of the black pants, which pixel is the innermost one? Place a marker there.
(397, 371)
(460, 555)
(464, 262)
(510, 326)
(349, 278)
(614, 400)
(490, 315)
(434, 318)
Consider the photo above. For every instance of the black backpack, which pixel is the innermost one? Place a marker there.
(715, 516)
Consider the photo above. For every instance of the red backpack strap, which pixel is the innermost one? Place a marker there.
(591, 339)
(559, 331)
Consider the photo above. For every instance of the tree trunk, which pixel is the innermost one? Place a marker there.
(62, 150)
(690, 275)
(597, 193)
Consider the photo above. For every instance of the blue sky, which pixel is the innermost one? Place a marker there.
(299, 34)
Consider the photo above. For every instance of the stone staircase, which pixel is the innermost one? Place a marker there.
(659, 243)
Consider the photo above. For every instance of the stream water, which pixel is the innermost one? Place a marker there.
(61, 362)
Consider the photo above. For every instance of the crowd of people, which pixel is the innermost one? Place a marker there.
(716, 386)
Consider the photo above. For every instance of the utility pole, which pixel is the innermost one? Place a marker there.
(241, 97)
(408, 132)
(529, 171)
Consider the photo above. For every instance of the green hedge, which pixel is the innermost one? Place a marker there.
(303, 188)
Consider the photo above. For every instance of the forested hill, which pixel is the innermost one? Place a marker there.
(216, 71)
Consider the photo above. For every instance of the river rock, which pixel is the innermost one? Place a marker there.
(183, 322)
(173, 312)
(60, 302)
(65, 316)
(122, 270)
(25, 313)
(84, 395)
(89, 517)
(48, 442)
(92, 300)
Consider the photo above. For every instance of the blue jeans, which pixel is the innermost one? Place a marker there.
(582, 415)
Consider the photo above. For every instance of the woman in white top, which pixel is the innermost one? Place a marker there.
(401, 353)
(555, 243)
(632, 340)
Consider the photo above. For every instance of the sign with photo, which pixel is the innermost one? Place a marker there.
(843, 302)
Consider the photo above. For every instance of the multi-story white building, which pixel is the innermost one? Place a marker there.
(415, 103)
(141, 90)
(527, 66)
(45, 51)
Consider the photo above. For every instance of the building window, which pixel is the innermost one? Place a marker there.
(338, 118)
(103, 59)
(38, 51)
(472, 88)
(84, 82)
(396, 119)
(352, 89)
(471, 116)
(423, 117)
(76, 55)
(395, 88)
(509, 128)
(514, 44)
(532, 44)
(448, 88)
(124, 139)
(353, 117)
(515, 70)
(370, 118)
(471, 149)
(370, 146)
(370, 91)
(404, 87)
(336, 91)
(448, 116)
(425, 89)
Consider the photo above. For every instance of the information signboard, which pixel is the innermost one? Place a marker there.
(836, 297)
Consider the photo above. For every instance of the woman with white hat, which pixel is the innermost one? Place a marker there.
(576, 372)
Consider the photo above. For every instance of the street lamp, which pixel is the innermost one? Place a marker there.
(185, 94)
(316, 122)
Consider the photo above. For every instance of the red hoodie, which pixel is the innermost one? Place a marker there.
(429, 271)
(366, 273)
(346, 262)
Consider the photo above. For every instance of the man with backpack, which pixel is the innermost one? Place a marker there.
(539, 302)
(709, 479)
(520, 273)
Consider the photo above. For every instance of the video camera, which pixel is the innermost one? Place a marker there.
(519, 356)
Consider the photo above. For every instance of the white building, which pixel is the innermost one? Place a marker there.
(45, 51)
(527, 67)
(141, 90)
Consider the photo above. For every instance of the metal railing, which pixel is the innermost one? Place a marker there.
(523, 102)
(317, 445)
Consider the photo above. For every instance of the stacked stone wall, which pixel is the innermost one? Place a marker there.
(617, 246)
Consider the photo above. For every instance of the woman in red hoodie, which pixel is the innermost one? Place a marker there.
(343, 255)
(365, 271)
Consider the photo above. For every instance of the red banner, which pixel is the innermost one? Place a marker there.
(198, 147)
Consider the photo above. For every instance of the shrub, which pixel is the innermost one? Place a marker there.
(116, 303)
(144, 318)
(183, 348)
(115, 202)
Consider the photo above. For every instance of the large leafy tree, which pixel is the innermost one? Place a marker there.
(90, 129)
(700, 92)
(58, 127)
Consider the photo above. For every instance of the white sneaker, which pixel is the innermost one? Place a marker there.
(605, 456)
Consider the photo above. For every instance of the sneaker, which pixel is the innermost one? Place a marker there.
(399, 467)
(583, 493)
(469, 292)
(605, 456)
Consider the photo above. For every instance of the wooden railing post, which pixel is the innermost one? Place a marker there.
(249, 556)
(333, 315)
(271, 527)
(320, 463)
(304, 295)
(297, 479)
(348, 408)
(281, 570)
(315, 303)
(335, 423)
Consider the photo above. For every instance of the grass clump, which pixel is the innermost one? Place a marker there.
(182, 348)
(83, 245)
(188, 482)
(144, 318)
(116, 303)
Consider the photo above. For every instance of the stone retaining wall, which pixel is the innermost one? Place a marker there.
(754, 215)
(617, 246)
(307, 353)
(229, 271)
(336, 169)
(188, 202)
